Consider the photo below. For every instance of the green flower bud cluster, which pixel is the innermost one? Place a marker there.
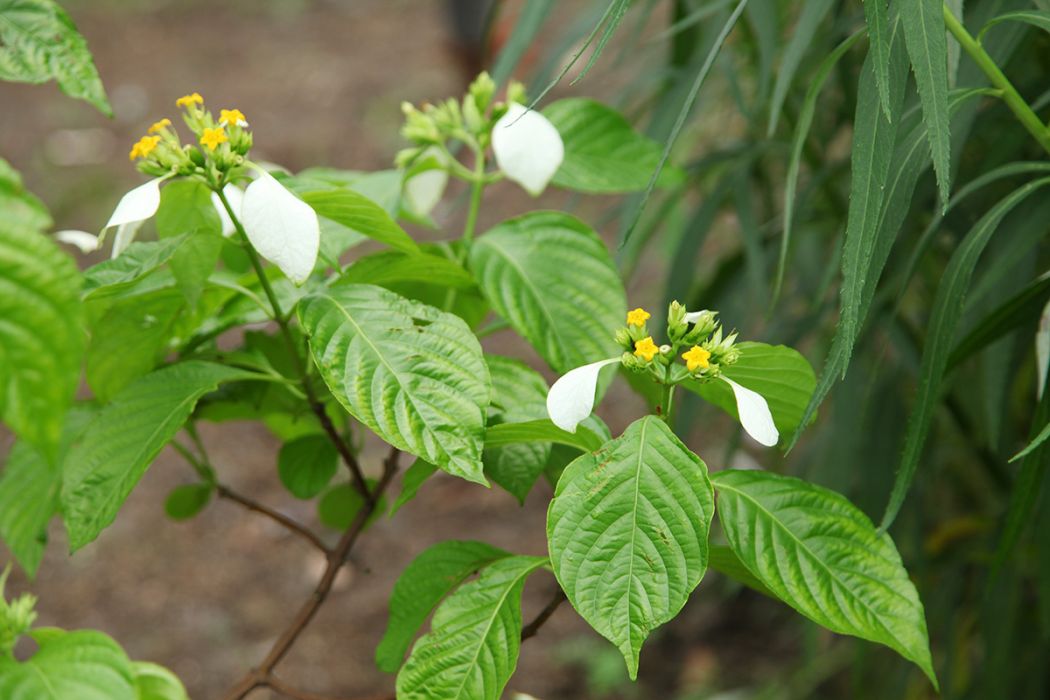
(16, 617)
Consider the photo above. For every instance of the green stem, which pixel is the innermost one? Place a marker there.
(668, 403)
(477, 186)
(1010, 96)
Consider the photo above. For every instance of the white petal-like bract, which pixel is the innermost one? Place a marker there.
(694, 316)
(138, 204)
(125, 236)
(235, 196)
(86, 242)
(754, 414)
(571, 399)
(528, 148)
(424, 190)
(281, 227)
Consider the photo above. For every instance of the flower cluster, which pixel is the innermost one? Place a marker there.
(707, 352)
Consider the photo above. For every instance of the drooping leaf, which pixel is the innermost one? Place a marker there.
(413, 374)
(472, 647)
(39, 42)
(41, 335)
(86, 665)
(430, 577)
(22, 210)
(125, 437)
(944, 320)
(603, 154)
(186, 210)
(821, 555)
(186, 501)
(414, 478)
(876, 17)
(926, 40)
(112, 277)
(358, 212)
(1035, 18)
(307, 464)
(628, 530)
(568, 310)
(153, 682)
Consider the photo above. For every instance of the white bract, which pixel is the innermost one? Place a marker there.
(135, 207)
(281, 227)
(754, 414)
(235, 196)
(86, 242)
(528, 148)
(424, 190)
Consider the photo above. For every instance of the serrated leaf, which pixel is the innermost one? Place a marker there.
(568, 310)
(628, 530)
(1035, 18)
(1023, 308)
(85, 665)
(603, 153)
(153, 682)
(876, 18)
(41, 336)
(925, 38)
(431, 576)
(186, 210)
(125, 437)
(359, 213)
(22, 210)
(413, 374)
(113, 277)
(307, 464)
(472, 648)
(38, 42)
(779, 373)
(821, 555)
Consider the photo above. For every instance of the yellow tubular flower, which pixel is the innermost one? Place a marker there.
(696, 358)
(211, 138)
(638, 317)
(232, 116)
(193, 98)
(646, 348)
(143, 147)
(157, 126)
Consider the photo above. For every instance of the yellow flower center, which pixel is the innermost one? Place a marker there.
(696, 358)
(143, 147)
(646, 348)
(193, 98)
(232, 116)
(211, 138)
(638, 317)
(157, 126)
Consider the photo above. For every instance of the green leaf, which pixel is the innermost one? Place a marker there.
(153, 682)
(29, 492)
(628, 530)
(414, 478)
(813, 13)
(944, 320)
(41, 335)
(113, 277)
(85, 665)
(340, 505)
(358, 212)
(603, 154)
(430, 577)
(541, 431)
(526, 27)
(413, 374)
(779, 373)
(566, 311)
(21, 209)
(821, 555)
(186, 501)
(1022, 308)
(186, 209)
(1036, 18)
(472, 648)
(725, 561)
(125, 437)
(38, 42)
(876, 18)
(390, 266)
(307, 464)
(1034, 444)
(926, 40)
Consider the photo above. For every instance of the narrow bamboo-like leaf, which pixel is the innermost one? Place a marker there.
(41, 336)
(876, 17)
(821, 555)
(125, 437)
(1034, 444)
(813, 13)
(1022, 308)
(86, 665)
(628, 530)
(947, 310)
(567, 311)
(1036, 18)
(472, 647)
(526, 27)
(431, 576)
(111, 277)
(358, 212)
(924, 35)
(413, 374)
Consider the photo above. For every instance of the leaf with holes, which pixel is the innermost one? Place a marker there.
(821, 555)
(628, 530)
(413, 374)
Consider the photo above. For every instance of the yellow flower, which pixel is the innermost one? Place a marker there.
(638, 317)
(193, 98)
(696, 358)
(143, 147)
(646, 348)
(157, 126)
(211, 138)
(232, 116)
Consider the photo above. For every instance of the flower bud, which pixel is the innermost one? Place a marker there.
(623, 338)
(676, 324)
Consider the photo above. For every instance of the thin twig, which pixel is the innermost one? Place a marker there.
(533, 627)
(281, 519)
(263, 675)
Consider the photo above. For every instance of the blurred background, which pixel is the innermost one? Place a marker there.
(321, 82)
